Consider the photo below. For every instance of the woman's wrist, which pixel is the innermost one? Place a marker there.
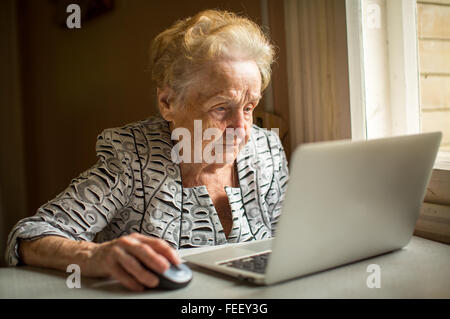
(57, 253)
(85, 258)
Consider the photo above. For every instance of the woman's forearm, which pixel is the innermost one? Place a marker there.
(127, 259)
(56, 252)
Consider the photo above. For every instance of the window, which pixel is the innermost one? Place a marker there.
(399, 69)
(399, 77)
(383, 68)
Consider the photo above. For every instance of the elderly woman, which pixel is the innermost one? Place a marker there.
(140, 203)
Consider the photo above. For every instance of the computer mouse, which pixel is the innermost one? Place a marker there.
(177, 276)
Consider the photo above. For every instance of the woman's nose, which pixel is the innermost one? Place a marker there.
(236, 127)
(237, 120)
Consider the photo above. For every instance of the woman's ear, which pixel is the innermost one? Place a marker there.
(165, 103)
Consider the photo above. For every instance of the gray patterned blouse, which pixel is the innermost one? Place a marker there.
(135, 187)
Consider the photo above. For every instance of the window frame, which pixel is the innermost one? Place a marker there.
(401, 62)
(402, 19)
(404, 79)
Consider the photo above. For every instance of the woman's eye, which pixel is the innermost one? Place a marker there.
(219, 112)
(248, 108)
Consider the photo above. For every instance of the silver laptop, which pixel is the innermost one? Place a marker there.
(346, 201)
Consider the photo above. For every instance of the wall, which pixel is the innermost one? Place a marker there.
(434, 61)
(12, 174)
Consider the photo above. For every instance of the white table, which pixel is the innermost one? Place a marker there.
(420, 270)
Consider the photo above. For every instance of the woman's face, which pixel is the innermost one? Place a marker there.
(222, 98)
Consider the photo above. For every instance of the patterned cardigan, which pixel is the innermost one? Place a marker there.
(135, 187)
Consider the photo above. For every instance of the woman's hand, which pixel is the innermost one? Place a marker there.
(123, 259)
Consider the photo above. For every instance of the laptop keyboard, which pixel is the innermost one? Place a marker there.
(255, 263)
